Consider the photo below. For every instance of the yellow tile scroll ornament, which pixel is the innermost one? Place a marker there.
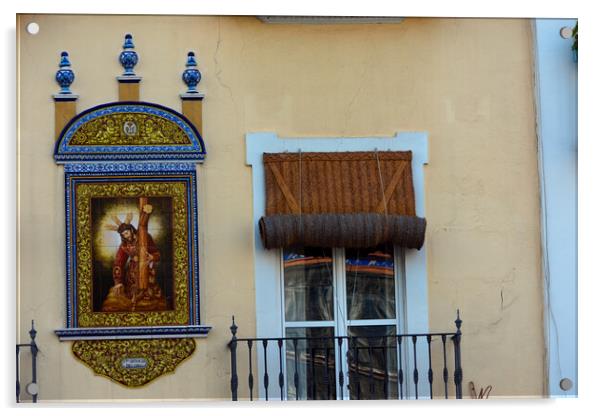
(132, 129)
(134, 362)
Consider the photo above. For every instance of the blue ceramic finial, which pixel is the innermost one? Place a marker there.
(191, 75)
(128, 57)
(65, 76)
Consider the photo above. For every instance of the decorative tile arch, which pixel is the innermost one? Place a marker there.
(129, 130)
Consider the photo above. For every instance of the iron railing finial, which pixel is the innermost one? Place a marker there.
(233, 327)
(32, 332)
(458, 321)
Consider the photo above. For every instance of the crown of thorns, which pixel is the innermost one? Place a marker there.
(121, 226)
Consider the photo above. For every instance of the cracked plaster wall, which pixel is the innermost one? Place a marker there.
(467, 82)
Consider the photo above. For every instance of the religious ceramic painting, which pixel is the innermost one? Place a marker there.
(132, 254)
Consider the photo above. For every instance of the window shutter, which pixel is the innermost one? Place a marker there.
(341, 199)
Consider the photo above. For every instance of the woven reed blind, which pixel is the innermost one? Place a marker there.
(343, 183)
(348, 199)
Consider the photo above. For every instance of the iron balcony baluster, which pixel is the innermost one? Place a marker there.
(327, 371)
(430, 373)
(458, 359)
(415, 367)
(445, 372)
(34, 358)
(341, 375)
(371, 360)
(266, 377)
(251, 380)
(234, 376)
(18, 383)
(280, 374)
(386, 366)
(358, 390)
(312, 381)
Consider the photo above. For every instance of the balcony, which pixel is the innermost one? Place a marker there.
(351, 367)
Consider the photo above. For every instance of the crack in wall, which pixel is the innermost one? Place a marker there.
(218, 68)
(504, 306)
(362, 78)
(502, 296)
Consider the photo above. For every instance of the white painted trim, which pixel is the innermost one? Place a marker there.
(374, 322)
(308, 324)
(268, 298)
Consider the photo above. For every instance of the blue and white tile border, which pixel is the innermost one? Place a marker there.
(74, 175)
(188, 331)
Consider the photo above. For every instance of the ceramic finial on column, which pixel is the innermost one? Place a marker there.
(192, 99)
(129, 82)
(191, 75)
(128, 57)
(65, 75)
(64, 100)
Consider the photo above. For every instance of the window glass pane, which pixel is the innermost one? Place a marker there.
(308, 281)
(370, 282)
(372, 361)
(313, 360)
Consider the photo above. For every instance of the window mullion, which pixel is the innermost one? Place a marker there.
(340, 302)
(281, 291)
(341, 318)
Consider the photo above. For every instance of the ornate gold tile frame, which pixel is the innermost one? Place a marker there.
(88, 187)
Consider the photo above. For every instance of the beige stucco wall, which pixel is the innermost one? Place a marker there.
(467, 82)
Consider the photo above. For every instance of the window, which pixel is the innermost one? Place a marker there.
(344, 292)
(409, 265)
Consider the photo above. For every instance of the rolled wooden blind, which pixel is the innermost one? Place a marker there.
(307, 185)
(341, 230)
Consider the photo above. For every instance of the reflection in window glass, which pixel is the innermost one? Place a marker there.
(308, 284)
(372, 362)
(370, 282)
(313, 362)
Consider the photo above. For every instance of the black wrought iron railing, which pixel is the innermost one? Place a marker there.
(400, 366)
(31, 387)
